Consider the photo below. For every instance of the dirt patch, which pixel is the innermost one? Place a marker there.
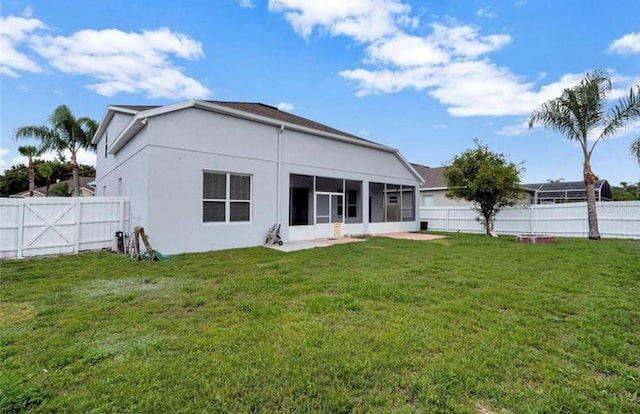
(411, 236)
(16, 312)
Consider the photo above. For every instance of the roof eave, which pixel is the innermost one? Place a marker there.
(106, 118)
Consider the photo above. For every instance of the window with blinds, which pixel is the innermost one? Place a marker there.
(226, 197)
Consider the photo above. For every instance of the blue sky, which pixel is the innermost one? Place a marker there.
(426, 77)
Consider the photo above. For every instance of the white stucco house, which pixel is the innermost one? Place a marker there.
(209, 175)
(433, 190)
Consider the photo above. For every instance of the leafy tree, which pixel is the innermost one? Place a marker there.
(30, 152)
(45, 170)
(485, 178)
(65, 132)
(16, 178)
(60, 190)
(583, 112)
(626, 191)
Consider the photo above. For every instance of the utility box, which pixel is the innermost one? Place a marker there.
(424, 225)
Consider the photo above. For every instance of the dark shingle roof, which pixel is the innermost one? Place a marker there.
(432, 176)
(274, 113)
(266, 111)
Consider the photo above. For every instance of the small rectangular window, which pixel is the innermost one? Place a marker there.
(226, 197)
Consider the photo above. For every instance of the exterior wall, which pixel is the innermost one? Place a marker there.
(441, 200)
(126, 172)
(162, 171)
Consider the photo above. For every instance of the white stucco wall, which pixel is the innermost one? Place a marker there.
(162, 167)
(440, 199)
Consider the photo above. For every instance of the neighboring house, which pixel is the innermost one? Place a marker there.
(566, 191)
(86, 188)
(434, 188)
(208, 175)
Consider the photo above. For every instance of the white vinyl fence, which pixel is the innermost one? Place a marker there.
(616, 219)
(57, 225)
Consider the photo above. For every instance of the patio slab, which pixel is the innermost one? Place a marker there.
(311, 244)
(411, 236)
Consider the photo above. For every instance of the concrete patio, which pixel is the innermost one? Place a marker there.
(310, 244)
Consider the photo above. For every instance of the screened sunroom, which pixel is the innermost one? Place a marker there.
(331, 207)
(567, 191)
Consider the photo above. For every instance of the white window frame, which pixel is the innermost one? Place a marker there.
(227, 200)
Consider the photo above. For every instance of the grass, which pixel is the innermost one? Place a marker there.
(467, 324)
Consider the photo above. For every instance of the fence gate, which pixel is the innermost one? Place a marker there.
(50, 228)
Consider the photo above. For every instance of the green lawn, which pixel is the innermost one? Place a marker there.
(467, 324)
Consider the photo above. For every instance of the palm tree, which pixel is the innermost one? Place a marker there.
(30, 152)
(635, 149)
(583, 113)
(65, 133)
(45, 170)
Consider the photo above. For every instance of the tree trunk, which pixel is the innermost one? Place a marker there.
(46, 194)
(589, 180)
(32, 177)
(76, 175)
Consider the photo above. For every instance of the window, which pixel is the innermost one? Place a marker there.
(226, 197)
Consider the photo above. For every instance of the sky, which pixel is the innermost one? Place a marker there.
(426, 77)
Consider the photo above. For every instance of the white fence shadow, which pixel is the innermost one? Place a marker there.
(616, 219)
(56, 225)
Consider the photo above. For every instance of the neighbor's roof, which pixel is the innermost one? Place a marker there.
(84, 183)
(433, 176)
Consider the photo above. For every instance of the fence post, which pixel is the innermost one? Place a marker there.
(532, 219)
(20, 224)
(448, 226)
(76, 245)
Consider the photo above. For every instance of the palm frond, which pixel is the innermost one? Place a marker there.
(635, 149)
(29, 151)
(627, 108)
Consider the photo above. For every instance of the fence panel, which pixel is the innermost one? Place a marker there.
(616, 219)
(57, 225)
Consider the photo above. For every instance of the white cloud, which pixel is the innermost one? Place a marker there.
(246, 4)
(519, 3)
(132, 62)
(486, 12)
(23, 88)
(14, 32)
(126, 61)
(514, 130)
(286, 106)
(363, 20)
(626, 45)
(406, 50)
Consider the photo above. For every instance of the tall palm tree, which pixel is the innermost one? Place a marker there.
(31, 153)
(65, 132)
(584, 115)
(45, 170)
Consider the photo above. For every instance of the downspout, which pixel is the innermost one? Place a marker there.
(278, 168)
